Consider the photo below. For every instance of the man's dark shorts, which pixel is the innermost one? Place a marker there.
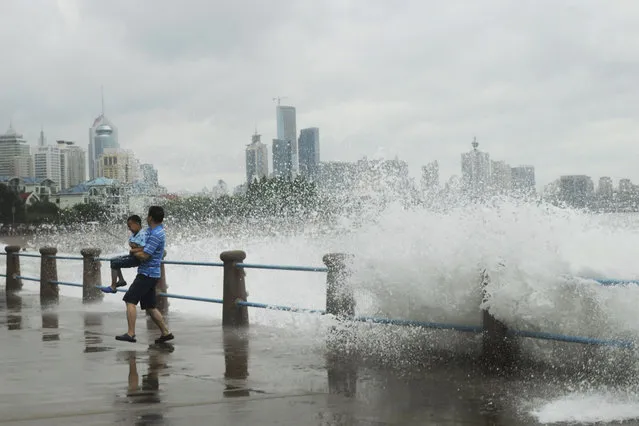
(143, 291)
(128, 261)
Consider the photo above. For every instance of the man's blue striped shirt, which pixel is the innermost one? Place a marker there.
(154, 247)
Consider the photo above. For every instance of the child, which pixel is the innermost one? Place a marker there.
(136, 242)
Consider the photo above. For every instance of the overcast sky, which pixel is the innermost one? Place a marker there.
(553, 83)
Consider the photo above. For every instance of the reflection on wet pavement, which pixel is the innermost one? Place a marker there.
(61, 365)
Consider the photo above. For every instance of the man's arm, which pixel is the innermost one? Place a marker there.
(140, 254)
(152, 243)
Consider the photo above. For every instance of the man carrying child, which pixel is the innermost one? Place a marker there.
(137, 241)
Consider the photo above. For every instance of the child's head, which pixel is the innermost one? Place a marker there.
(134, 223)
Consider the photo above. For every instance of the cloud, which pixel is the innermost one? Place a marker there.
(538, 82)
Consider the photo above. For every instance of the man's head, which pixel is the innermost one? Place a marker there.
(155, 216)
(134, 222)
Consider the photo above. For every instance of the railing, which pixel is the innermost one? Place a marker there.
(340, 303)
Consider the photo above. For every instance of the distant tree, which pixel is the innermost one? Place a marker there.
(11, 206)
(80, 213)
(264, 198)
(42, 212)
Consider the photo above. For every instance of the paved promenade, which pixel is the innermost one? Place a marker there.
(64, 367)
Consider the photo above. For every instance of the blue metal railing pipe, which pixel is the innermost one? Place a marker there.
(183, 262)
(283, 267)
(66, 257)
(571, 339)
(280, 307)
(403, 322)
(27, 278)
(196, 298)
(614, 281)
(65, 283)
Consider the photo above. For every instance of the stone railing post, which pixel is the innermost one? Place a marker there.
(340, 300)
(13, 269)
(234, 289)
(499, 350)
(163, 302)
(91, 275)
(49, 293)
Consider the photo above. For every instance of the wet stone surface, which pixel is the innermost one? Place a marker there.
(62, 366)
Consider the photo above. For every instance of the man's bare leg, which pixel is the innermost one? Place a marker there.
(131, 314)
(157, 318)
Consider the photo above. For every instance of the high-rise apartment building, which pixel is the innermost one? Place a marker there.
(13, 145)
(475, 170)
(501, 177)
(282, 155)
(523, 180)
(149, 175)
(605, 188)
(47, 164)
(73, 169)
(576, 190)
(256, 159)
(309, 152)
(120, 165)
(430, 176)
(287, 131)
(23, 166)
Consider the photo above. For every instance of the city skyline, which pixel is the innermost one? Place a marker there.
(367, 80)
(488, 169)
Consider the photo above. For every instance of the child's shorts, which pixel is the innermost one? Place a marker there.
(128, 261)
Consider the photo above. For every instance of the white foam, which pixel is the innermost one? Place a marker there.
(587, 408)
(423, 265)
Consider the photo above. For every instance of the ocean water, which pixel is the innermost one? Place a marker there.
(425, 265)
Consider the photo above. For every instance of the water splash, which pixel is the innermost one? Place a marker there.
(589, 407)
(417, 263)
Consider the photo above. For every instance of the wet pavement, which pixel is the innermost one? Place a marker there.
(62, 366)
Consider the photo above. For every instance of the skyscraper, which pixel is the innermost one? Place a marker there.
(287, 131)
(501, 177)
(23, 166)
(149, 175)
(12, 145)
(282, 154)
(576, 190)
(523, 178)
(430, 176)
(72, 164)
(309, 151)
(605, 188)
(120, 165)
(256, 159)
(102, 135)
(47, 164)
(475, 170)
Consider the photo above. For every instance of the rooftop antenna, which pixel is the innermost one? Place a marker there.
(102, 96)
(475, 143)
(41, 139)
(279, 98)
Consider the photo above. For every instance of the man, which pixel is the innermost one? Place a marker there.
(143, 288)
